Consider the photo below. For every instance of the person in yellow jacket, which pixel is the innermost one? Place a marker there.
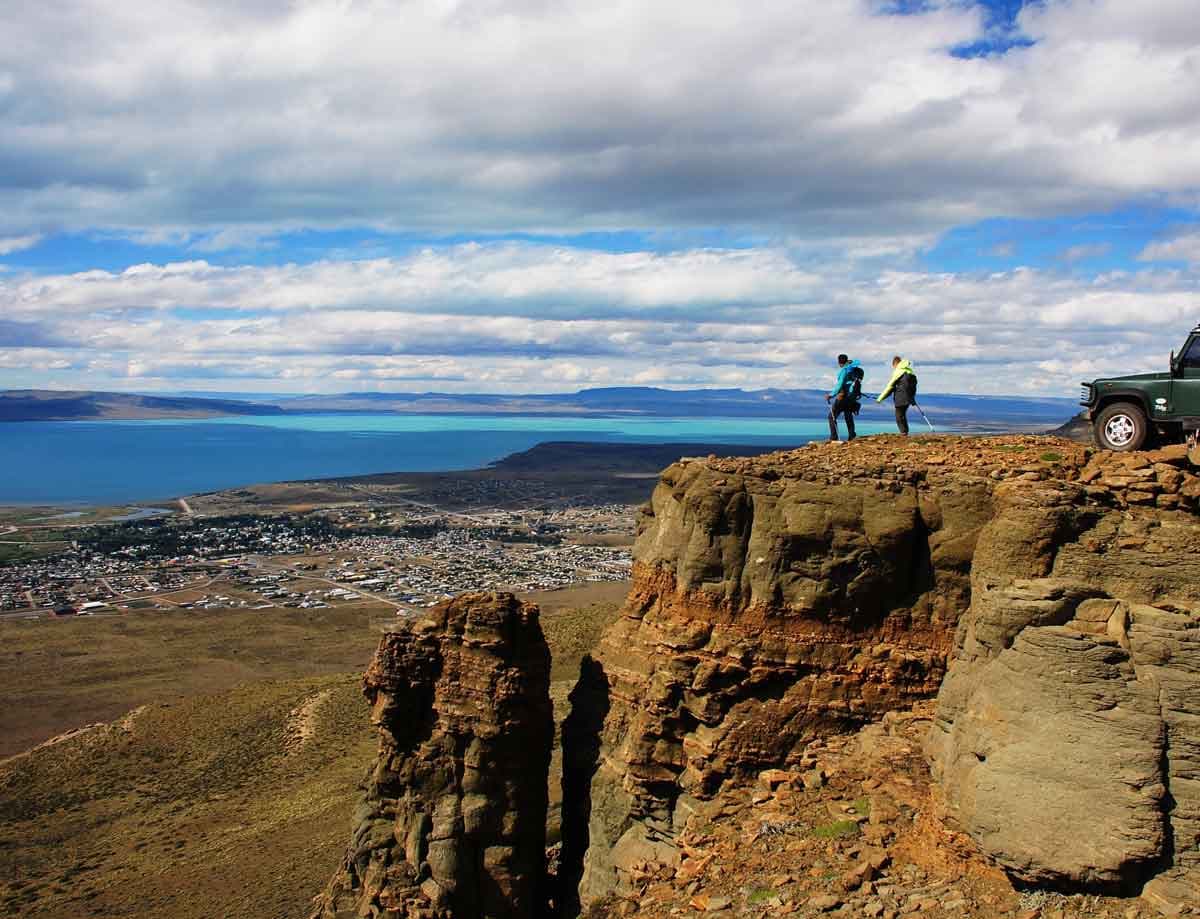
(902, 387)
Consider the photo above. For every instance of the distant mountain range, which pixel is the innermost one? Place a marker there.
(55, 405)
(957, 410)
(951, 410)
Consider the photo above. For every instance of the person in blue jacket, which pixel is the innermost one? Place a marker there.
(845, 397)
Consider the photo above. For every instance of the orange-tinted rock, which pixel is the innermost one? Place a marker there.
(775, 600)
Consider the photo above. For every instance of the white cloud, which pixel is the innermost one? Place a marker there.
(11, 244)
(479, 279)
(242, 237)
(834, 138)
(526, 317)
(811, 120)
(1184, 248)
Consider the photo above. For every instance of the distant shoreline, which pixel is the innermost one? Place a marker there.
(573, 459)
(571, 462)
(618, 402)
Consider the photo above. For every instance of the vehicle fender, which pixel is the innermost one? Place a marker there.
(1123, 395)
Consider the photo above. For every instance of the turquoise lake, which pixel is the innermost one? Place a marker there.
(108, 462)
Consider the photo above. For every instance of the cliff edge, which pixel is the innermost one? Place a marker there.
(786, 598)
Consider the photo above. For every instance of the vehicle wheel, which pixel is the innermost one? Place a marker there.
(1123, 427)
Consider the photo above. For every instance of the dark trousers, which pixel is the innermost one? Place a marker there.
(846, 410)
(902, 419)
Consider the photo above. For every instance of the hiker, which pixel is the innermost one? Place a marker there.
(846, 397)
(902, 387)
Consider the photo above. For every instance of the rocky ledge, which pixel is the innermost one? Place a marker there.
(783, 599)
(452, 821)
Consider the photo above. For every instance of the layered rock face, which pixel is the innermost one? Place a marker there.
(452, 820)
(1068, 729)
(1048, 596)
(782, 598)
(775, 600)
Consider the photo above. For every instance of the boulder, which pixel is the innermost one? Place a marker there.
(1066, 727)
(1056, 762)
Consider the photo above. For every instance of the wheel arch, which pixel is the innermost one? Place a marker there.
(1138, 398)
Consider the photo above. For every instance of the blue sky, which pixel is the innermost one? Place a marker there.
(508, 195)
(1073, 244)
(1076, 244)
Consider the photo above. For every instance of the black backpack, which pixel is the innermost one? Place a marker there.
(852, 388)
(906, 388)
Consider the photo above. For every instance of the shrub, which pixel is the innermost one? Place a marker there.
(839, 829)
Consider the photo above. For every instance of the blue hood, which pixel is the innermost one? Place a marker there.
(843, 372)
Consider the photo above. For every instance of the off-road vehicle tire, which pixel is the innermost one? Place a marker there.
(1122, 426)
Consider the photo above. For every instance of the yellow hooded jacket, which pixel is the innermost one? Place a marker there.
(901, 369)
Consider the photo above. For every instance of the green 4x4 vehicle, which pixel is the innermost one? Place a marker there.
(1126, 412)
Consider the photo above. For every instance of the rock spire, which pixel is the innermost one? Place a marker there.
(452, 822)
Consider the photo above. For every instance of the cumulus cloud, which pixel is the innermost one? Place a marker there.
(817, 120)
(240, 237)
(518, 279)
(508, 316)
(835, 140)
(1184, 248)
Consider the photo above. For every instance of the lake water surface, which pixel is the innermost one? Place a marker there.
(110, 462)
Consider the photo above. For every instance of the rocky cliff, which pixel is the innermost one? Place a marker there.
(1043, 600)
(453, 814)
(781, 599)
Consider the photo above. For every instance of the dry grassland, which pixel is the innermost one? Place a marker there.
(223, 781)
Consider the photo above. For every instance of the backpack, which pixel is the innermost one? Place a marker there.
(852, 388)
(906, 388)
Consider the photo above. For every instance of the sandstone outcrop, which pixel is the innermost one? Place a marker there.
(1068, 728)
(453, 815)
(851, 832)
(775, 600)
(1047, 595)
(781, 599)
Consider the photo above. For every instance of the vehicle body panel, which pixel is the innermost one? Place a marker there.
(1167, 398)
(1137, 378)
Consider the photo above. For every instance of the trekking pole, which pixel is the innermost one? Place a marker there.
(926, 417)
